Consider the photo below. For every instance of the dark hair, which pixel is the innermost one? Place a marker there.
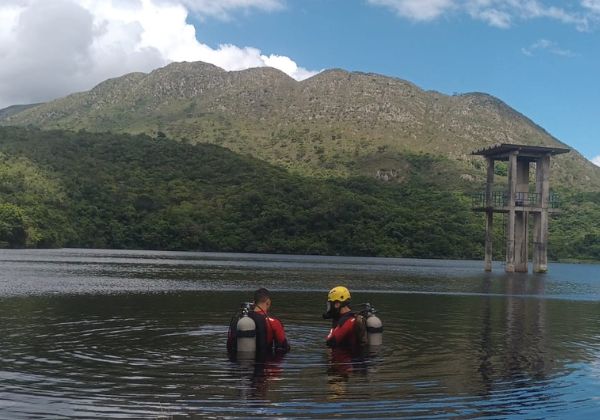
(261, 295)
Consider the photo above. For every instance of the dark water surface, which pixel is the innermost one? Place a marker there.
(87, 333)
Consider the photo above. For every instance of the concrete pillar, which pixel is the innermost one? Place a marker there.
(521, 226)
(521, 240)
(540, 255)
(489, 214)
(537, 245)
(543, 253)
(489, 224)
(510, 231)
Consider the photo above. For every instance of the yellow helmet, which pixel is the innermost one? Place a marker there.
(339, 293)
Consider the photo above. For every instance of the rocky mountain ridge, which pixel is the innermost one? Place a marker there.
(336, 123)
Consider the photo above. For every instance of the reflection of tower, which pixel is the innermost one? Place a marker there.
(518, 203)
(486, 366)
(525, 343)
(513, 338)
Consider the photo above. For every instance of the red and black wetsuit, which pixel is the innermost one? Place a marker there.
(270, 335)
(342, 332)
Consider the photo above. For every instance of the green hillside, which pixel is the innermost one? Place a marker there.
(81, 189)
(335, 124)
(118, 191)
(254, 161)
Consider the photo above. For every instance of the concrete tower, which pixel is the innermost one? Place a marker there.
(519, 201)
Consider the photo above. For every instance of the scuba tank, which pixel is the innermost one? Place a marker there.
(374, 325)
(245, 331)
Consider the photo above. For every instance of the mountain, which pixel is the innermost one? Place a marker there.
(103, 190)
(336, 123)
(14, 109)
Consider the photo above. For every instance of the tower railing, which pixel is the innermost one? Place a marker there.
(521, 199)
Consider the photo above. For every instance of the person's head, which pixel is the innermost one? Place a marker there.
(338, 301)
(262, 299)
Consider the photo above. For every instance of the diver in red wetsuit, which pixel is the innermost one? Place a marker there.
(270, 334)
(268, 330)
(343, 333)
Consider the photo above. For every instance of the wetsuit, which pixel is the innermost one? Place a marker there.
(270, 335)
(342, 332)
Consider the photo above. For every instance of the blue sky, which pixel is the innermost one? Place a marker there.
(542, 57)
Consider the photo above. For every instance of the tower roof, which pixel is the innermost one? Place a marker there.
(501, 151)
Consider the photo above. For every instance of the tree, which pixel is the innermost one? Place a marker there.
(12, 226)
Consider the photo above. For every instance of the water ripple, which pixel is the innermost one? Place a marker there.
(463, 350)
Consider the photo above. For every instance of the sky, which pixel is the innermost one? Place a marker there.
(541, 57)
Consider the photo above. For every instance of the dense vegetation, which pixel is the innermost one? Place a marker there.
(575, 232)
(119, 191)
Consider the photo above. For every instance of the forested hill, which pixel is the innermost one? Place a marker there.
(120, 191)
(337, 123)
(103, 190)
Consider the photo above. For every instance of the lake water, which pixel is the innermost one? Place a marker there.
(93, 333)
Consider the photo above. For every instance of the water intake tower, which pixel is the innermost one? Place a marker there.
(518, 202)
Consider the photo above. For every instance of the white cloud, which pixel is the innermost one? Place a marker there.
(223, 8)
(499, 13)
(420, 10)
(494, 17)
(547, 46)
(50, 48)
(596, 160)
(288, 66)
(593, 5)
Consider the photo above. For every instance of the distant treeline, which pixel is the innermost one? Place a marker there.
(105, 190)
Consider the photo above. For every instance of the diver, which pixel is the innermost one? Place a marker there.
(342, 333)
(349, 329)
(255, 330)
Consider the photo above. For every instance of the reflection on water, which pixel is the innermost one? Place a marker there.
(257, 375)
(101, 337)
